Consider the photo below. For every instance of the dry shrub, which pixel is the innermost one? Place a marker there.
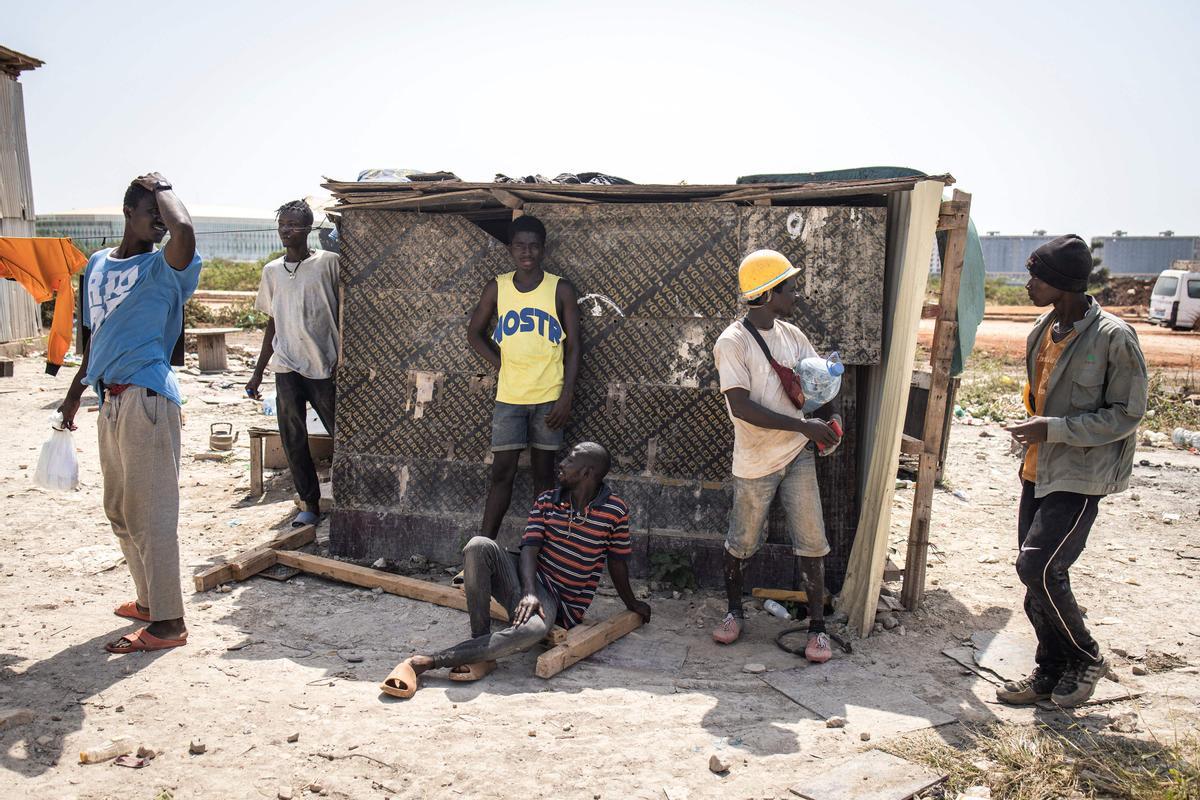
(1037, 762)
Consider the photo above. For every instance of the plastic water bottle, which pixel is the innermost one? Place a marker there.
(776, 610)
(117, 747)
(269, 405)
(821, 379)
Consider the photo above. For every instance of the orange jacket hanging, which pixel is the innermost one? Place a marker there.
(44, 267)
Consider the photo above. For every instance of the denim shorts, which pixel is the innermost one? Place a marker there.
(515, 427)
(797, 487)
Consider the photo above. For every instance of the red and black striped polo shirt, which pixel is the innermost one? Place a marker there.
(575, 546)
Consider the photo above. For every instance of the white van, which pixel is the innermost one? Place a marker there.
(1175, 300)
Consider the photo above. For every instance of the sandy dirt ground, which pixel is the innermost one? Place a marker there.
(268, 660)
(1175, 351)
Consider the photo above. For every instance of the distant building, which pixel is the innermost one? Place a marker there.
(1006, 255)
(1146, 255)
(19, 315)
(234, 234)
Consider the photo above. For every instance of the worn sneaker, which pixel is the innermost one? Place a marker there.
(729, 630)
(818, 650)
(1078, 684)
(1035, 687)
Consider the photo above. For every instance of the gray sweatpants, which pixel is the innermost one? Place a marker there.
(139, 457)
(488, 571)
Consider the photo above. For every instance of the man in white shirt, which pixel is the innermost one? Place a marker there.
(299, 294)
(771, 451)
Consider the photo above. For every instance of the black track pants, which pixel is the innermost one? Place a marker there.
(292, 392)
(1052, 532)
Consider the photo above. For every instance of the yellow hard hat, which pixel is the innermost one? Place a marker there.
(762, 271)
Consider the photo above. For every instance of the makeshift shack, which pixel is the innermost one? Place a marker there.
(655, 268)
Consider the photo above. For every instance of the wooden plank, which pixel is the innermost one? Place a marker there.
(911, 445)
(369, 578)
(526, 194)
(945, 334)
(912, 222)
(507, 198)
(783, 595)
(580, 645)
(256, 465)
(258, 558)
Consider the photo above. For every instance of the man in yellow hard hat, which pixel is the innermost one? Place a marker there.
(771, 452)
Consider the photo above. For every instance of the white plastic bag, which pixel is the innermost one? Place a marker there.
(58, 468)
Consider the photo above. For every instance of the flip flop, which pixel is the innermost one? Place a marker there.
(472, 672)
(129, 610)
(401, 682)
(305, 518)
(459, 581)
(141, 641)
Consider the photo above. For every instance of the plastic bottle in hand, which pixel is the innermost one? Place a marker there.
(821, 379)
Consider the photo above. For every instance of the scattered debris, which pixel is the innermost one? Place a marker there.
(284, 793)
(293, 738)
(865, 736)
(133, 762)
(1124, 723)
(314, 787)
(975, 793)
(197, 748)
(45, 740)
(835, 722)
(1170, 518)
(146, 753)
(754, 669)
(717, 765)
(989, 560)
(380, 563)
(1138, 669)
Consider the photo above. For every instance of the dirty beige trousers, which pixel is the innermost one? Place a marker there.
(139, 456)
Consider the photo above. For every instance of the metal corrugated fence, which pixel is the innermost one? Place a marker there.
(19, 315)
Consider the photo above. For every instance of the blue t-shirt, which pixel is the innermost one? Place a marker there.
(134, 308)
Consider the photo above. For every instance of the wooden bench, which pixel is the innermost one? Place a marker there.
(210, 346)
(260, 437)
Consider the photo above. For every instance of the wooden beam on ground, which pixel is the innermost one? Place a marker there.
(911, 445)
(588, 640)
(782, 595)
(368, 578)
(254, 560)
(945, 336)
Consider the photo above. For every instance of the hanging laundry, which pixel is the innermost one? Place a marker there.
(44, 267)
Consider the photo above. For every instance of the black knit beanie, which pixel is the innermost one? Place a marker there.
(1065, 263)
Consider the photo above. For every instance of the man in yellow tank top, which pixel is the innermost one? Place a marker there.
(535, 347)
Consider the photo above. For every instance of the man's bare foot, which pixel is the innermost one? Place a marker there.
(421, 664)
(167, 629)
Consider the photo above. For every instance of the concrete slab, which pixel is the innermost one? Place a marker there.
(874, 775)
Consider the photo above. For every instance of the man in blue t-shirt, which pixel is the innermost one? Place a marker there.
(133, 305)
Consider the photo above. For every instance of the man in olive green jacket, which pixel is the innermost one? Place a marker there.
(1086, 394)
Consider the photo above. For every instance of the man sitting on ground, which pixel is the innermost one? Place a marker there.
(572, 531)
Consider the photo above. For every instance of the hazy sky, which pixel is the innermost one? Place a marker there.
(1059, 115)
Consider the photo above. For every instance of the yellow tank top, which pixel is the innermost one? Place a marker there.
(530, 337)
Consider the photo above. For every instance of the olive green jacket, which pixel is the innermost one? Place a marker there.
(1094, 400)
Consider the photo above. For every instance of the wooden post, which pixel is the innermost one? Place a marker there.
(954, 219)
(256, 464)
